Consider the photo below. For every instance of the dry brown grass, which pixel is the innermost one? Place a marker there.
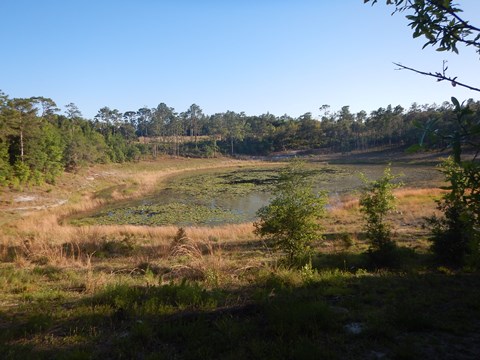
(418, 202)
(213, 262)
(39, 237)
(413, 206)
(43, 228)
(419, 194)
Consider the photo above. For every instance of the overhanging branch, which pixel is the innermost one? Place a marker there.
(438, 76)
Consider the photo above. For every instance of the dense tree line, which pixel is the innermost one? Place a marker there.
(38, 142)
(193, 133)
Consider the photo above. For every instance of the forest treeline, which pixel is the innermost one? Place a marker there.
(38, 141)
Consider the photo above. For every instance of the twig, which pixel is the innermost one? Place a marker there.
(438, 76)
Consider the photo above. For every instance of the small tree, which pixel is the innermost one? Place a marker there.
(376, 201)
(290, 221)
(456, 235)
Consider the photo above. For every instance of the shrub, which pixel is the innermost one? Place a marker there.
(455, 236)
(376, 201)
(290, 221)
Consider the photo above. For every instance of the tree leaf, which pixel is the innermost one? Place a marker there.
(455, 102)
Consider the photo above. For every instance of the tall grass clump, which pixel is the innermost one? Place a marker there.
(198, 260)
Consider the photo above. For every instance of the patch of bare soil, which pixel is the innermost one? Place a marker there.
(34, 198)
(29, 200)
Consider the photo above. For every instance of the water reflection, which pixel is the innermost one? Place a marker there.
(245, 206)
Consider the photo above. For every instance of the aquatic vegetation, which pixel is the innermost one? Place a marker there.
(226, 195)
(161, 214)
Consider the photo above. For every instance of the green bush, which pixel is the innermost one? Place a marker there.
(376, 201)
(455, 236)
(290, 221)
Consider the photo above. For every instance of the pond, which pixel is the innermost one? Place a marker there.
(214, 197)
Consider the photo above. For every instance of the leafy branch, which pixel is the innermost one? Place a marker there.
(439, 22)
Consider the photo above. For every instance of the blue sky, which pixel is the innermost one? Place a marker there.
(257, 56)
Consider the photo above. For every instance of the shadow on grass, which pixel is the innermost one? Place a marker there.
(287, 314)
(400, 258)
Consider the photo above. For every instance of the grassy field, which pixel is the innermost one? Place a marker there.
(138, 292)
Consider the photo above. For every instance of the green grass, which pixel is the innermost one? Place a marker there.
(283, 314)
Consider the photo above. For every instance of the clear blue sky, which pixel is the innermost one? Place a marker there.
(256, 56)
